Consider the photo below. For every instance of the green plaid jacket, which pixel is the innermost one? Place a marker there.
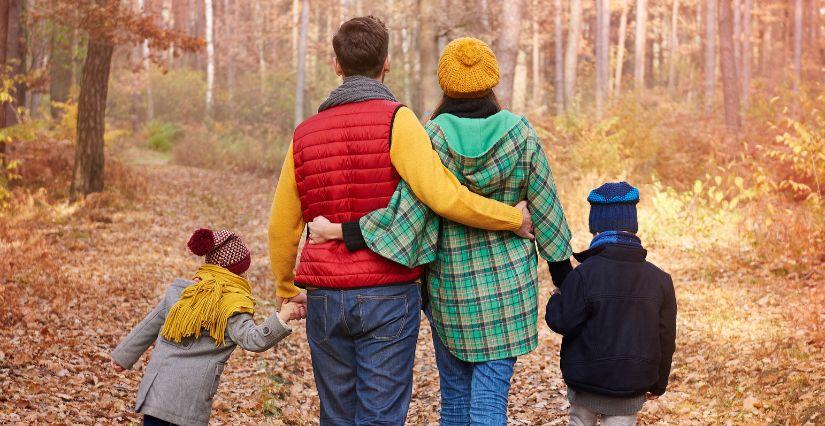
(483, 285)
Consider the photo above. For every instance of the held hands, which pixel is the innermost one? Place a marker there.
(321, 230)
(293, 308)
(526, 230)
(292, 311)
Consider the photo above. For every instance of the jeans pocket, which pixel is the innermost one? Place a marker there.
(317, 318)
(383, 317)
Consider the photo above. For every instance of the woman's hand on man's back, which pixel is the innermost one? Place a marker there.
(526, 230)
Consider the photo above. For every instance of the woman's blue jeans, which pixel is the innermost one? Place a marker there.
(472, 393)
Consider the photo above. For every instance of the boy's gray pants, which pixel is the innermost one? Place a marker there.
(581, 416)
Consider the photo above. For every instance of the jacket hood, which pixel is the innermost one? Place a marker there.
(484, 151)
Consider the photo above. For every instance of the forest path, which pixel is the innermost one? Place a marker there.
(83, 282)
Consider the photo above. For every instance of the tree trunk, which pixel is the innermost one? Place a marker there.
(144, 63)
(571, 55)
(620, 48)
(301, 68)
(4, 34)
(710, 53)
(602, 54)
(674, 48)
(536, 97)
(259, 45)
(507, 48)
(730, 82)
(797, 47)
(737, 33)
(406, 41)
(641, 44)
(61, 68)
(87, 176)
(210, 57)
(747, 32)
(16, 57)
(558, 62)
(485, 15)
(228, 43)
(428, 90)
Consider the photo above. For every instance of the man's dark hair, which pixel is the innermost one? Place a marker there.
(361, 46)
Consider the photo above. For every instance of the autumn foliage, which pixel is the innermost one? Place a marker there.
(735, 215)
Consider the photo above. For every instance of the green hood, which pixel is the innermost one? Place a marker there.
(474, 137)
(481, 152)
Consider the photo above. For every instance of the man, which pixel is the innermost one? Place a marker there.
(363, 310)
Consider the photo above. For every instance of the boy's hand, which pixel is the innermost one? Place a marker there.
(526, 230)
(321, 230)
(115, 366)
(292, 311)
(650, 397)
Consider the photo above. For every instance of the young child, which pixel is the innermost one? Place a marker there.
(195, 328)
(617, 313)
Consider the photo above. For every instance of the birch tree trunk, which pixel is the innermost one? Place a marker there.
(747, 33)
(507, 47)
(210, 57)
(620, 48)
(710, 53)
(87, 175)
(571, 55)
(730, 82)
(558, 62)
(602, 54)
(301, 69)
(674, 48)
(641, 43)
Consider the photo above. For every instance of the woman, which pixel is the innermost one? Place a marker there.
(482, 285)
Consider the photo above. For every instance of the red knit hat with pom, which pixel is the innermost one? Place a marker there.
(223, 248)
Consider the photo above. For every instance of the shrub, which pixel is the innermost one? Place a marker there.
(162, 135)
(247, 150)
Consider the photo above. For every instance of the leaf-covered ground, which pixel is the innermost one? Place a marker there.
(749, 341)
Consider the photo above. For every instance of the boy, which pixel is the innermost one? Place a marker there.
(195, 328)
(617, 313)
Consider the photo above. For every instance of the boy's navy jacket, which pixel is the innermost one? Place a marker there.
(617, 313)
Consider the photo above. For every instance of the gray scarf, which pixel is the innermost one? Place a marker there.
(357, 88)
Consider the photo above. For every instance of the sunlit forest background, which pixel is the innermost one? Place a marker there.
(125, 124)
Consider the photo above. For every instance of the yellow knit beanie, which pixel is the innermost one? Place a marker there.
(467, 69)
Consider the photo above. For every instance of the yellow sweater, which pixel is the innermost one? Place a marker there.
(418, 164)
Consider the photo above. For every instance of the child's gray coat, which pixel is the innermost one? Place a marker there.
(182, 378)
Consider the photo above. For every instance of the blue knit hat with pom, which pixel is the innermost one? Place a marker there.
(613, 208)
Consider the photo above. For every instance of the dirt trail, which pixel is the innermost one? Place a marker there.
(109, 269)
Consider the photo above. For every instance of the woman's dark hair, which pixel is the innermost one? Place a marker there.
(361, 45)
(482, 107)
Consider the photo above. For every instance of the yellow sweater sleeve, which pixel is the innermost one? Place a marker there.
(418, 164)
(286, 224)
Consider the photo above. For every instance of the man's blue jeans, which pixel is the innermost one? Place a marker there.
(362, 344)
(472, 393)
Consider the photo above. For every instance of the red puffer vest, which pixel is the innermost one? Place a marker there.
(343, 171)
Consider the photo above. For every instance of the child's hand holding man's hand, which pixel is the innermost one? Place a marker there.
(292, 311)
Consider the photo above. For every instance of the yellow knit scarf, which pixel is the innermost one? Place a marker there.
(208, 304)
